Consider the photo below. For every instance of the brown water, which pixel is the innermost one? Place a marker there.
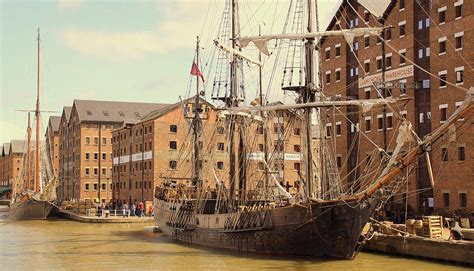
(67, 245)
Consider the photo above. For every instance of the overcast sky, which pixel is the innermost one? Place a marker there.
(122, 50)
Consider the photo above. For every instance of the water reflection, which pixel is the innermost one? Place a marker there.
(66, 245)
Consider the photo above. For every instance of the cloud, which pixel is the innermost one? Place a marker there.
(68, 4)
(181, 21)
(113, 46)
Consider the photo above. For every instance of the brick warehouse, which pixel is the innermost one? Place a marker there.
(148, 152)
(11, 161)
(52, 141)
(85, 146)
(436, 36)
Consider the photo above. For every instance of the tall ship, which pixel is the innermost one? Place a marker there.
(34, 191)
(245, 204)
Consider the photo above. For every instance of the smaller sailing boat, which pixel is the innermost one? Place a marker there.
(35, 202)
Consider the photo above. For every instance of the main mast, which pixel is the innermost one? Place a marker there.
(37, 115)
(265, 139)
(307, 96)
(232, 101)
(28, 155)
(196, 121)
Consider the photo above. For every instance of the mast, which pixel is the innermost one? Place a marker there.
(265, 140)
(308, 96)
(37, 115)
(232, 101)
(28, 155)
(196, 120)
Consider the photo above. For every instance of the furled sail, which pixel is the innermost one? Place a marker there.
(261, 42)
(365, 105)
(237, 53)
(377, 8)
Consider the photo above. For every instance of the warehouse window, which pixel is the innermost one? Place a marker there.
(328, 129)
(443, 113)
(296, 148)
(328, 77)
(458, 10)
(446, 199)
(379, 122)
(173, 164)
(338, 75)
(442, 78)
(444, 154)
(338, 128)
(173, 128)
(461, 153)
(442, 15)
(403, 55)
(463, 200)
(442, 45)
(402, 5)
(367, 124)
(367, 66)
(173, 145)
(459, 40)
(220, 146)
(389, 120)
(459, 75)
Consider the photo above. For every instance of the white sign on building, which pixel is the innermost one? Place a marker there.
(390, 75)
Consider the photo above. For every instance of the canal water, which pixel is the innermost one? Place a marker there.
(68, 245)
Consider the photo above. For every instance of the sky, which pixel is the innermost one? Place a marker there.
(120, 50)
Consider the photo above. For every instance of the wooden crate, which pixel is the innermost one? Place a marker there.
(433, 226)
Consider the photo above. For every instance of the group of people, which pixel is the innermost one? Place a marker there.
(128, 209)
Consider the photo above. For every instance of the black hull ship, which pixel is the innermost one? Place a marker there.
(324, 231)
(251, 209)
(32, 209)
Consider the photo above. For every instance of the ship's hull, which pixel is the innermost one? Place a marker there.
(316, 229)
(31, 209)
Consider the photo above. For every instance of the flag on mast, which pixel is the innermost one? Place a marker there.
(195, 71)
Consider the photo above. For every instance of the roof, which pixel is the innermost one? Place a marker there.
(6, 148)
(110, 111)
(67, 111)
(162, 111)
(54, 122)
(18, 146)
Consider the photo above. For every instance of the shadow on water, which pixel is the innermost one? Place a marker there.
(149, 236)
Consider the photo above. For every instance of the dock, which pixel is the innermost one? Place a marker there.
(94, 219)
(461, 252)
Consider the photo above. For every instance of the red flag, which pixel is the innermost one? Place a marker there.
(195, 71)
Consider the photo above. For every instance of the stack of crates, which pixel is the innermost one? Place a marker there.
(433, 226)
